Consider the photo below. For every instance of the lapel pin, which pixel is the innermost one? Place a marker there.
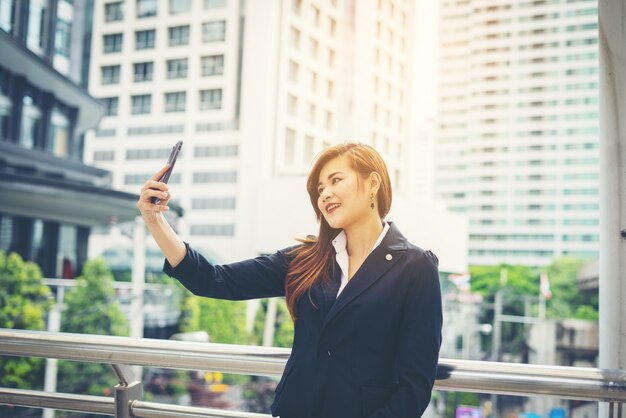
(388, 257)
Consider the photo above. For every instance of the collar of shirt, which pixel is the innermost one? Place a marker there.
(340, 243)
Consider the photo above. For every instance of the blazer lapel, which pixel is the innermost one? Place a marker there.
(390, 250)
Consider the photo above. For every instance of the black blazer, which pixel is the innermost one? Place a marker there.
(371, 353)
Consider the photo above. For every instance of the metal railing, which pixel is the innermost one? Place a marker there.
(591, 384)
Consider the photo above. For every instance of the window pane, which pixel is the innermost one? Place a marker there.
(175, 102)
(62, 38)
(5, 15)
(214, 31)
(211, 99)
(111, 74)
(59, 141)
(179, 35)
(214, 4)
(177, 68)
(31, 123)
(114, 11)
(36, 20)
(146, 8)
(5, 117)
(212, 65)
(112, 43)
(141, 104)
(179, 6)
(143, 71)
(145, 39)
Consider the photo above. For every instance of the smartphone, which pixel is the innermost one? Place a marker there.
(171, 160)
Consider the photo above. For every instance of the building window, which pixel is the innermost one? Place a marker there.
(292, 105)
(216, 151)
(104, 156)
(294, 37)
(179, 6)
(215, 177)
(62, 38)
(144, 39)
(141, 104)
(6, 11)
(110, 74)
(175, 102)
(59, 141)
(146, 8)
(213, 203)
(214, 4)
(31, 122)
(37, 15)
(309, 148)
(177, 68)
(179, 35)
(214, 31)
(227, 230)
(294, 71)
(147, 154)
(114, 12)
(113, 43)
(211, 99)
(212, 65)
(5, 117)
(290, 146)
(143, 71)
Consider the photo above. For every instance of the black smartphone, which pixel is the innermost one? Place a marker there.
(171, 160)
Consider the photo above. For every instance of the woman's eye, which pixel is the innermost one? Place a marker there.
(336, 179)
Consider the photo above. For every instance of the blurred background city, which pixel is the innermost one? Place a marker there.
(486, 112)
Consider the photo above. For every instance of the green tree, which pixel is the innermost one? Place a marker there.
(24, 302)
(283, 327)
(91, 309)
(521, 281)
(567, 300)
(223, 320)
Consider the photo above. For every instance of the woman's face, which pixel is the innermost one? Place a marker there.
(342, 200)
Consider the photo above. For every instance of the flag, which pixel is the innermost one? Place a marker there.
(461, 280)
(544, 286)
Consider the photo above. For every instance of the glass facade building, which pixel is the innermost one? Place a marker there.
(517, 146)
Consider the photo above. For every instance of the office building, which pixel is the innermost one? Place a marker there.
(50, 199)
(517, 148)
(255, 90)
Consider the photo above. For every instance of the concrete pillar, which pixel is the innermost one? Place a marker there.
(612, 33)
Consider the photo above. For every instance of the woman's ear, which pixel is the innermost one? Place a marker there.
(374, 182)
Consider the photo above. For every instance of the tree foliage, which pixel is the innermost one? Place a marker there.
(223, 320)
(24, 302)
(91, 309)
(523, 284)
(283, 327)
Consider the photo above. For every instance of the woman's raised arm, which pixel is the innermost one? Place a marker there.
(171, 245)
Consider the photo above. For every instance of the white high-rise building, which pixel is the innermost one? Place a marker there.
(517, 148)
(255, 89)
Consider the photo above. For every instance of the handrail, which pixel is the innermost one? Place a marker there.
(580, 383)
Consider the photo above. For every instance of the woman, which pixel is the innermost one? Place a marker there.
(366, 303)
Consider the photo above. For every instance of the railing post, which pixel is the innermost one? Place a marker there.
(615, 409)
(128, 390)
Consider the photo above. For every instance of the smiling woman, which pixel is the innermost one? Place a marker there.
(366, 302)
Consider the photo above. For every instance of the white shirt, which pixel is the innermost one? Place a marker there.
(340, 243)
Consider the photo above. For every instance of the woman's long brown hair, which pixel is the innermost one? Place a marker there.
(313, 258)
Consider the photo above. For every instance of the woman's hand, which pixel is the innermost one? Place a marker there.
(154, 188)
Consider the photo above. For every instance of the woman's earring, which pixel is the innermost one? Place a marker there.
(372, 204)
